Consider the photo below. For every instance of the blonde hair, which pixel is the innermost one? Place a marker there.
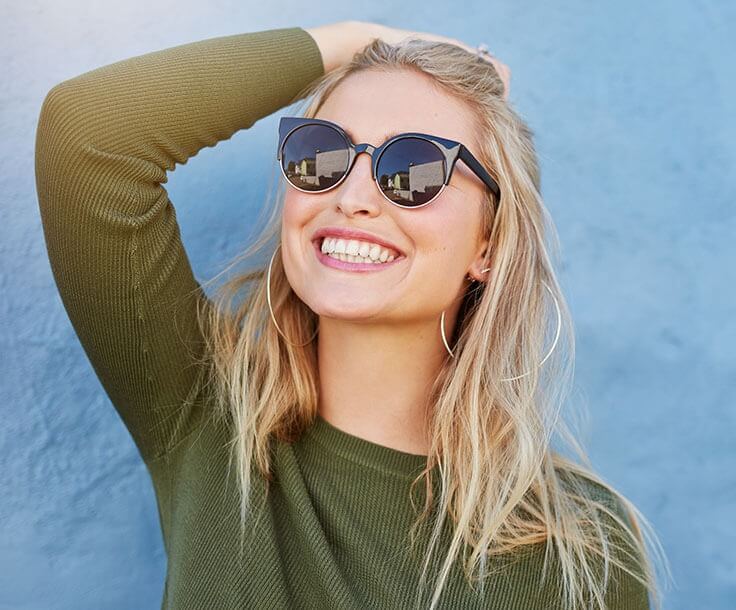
(499, 481)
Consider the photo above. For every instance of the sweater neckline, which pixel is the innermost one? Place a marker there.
(365, 452)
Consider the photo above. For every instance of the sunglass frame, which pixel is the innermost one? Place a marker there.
(451, 150)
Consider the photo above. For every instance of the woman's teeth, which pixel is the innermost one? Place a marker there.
(355, 251)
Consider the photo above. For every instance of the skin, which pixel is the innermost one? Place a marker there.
(379, 345)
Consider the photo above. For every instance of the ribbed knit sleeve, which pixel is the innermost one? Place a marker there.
(104, 143)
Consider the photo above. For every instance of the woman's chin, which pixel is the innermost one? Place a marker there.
(346, 311)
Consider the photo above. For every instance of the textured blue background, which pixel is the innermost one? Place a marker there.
(630, 103)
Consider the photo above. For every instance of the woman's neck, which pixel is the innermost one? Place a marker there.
(374, 381)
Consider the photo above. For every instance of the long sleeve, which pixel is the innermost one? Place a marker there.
(104, 142)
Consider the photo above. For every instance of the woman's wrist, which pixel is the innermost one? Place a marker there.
(339, 41)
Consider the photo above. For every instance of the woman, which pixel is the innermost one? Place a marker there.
(381, 416)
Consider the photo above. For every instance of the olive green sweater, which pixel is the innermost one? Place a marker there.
(333, 531)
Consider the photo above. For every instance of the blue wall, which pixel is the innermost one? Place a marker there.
(629, 101)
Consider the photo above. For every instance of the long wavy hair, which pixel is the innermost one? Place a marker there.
(492, 472)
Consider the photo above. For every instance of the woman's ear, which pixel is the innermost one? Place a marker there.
(480, 262)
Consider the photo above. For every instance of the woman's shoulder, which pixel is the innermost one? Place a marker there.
(589, 486)
(616, 513)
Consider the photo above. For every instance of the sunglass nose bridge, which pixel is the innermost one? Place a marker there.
(364, 147)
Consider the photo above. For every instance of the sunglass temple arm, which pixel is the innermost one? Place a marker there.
(479, 170)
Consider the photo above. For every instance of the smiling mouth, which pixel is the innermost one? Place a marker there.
(339, 260)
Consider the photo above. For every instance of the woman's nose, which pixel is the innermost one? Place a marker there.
(359, 191)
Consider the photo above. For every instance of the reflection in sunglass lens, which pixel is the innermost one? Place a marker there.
(411, 171)
(314, 157)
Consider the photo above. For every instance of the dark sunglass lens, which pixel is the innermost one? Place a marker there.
(314, 157)
(411, 171)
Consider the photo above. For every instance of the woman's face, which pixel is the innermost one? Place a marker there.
(438, 242)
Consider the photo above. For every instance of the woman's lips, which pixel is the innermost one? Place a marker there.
(336, 263)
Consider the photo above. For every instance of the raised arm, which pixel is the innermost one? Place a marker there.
(104, 143)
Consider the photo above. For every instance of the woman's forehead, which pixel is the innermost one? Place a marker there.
(373, 106)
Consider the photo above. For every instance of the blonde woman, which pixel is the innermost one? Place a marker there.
(365, 419)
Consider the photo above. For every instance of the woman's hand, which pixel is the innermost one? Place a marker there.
(394, 35)
(339, 41)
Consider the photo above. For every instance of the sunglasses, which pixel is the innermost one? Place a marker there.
(411, 169)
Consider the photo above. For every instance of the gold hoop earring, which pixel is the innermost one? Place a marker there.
(549, 353)
(270, 308)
